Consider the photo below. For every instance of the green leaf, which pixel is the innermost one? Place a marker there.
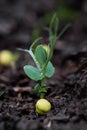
(53, 25)
(63, 30)
(40, 55)
(35, 44)
(37, 88)
(49, 70)
(32, 72)
(40, 89)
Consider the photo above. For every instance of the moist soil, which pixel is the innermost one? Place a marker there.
(67, 93)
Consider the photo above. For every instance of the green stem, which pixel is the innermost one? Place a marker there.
(42, 95)
(43, 87)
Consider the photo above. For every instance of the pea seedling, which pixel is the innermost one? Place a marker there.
(44, 67)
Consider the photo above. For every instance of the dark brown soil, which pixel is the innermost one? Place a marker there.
(67, 94)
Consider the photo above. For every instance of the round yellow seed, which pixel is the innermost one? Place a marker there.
(43, 106)
(6, 57)
(47, 49)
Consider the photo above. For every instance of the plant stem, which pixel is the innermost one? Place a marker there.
(43, 87)
(42, 95)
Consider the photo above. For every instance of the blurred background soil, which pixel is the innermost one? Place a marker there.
(21, 21)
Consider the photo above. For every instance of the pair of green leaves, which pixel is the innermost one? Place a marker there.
(45, 68)
(36, 74)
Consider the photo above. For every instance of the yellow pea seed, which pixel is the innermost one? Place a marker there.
(47, 49)
(6, 57)
(43, 106)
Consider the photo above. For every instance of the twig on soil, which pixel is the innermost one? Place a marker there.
(22, 89)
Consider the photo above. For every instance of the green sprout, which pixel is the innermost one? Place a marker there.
(42, 59)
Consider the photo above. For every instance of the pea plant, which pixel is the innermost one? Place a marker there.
(42, 58)
(43, 68)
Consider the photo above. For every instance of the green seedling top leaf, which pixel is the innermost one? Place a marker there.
(40, 55)
(53, 25)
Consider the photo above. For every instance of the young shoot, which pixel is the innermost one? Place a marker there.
(43, 66)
